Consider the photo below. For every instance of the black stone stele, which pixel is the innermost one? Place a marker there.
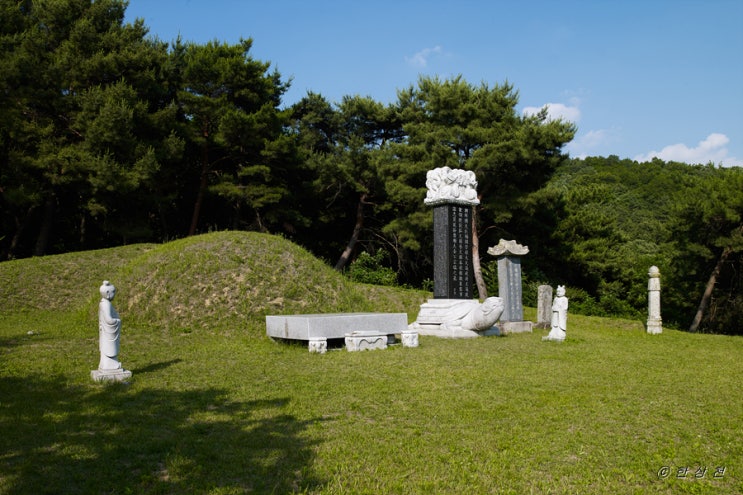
(452, 251)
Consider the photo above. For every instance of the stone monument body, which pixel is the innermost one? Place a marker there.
(544, 306)
(109, 335)
(452, 251)
(655, 323)
(452, 312)
(508, 254)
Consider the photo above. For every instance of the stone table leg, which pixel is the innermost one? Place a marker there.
(318, 345)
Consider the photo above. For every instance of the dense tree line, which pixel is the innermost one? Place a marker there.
(600, 223)
(109, 136)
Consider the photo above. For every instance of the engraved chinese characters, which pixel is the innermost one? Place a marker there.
(461, 250)
(452, 251)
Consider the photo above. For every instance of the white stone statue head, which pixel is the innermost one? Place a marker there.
(560, 290)
(108, 291)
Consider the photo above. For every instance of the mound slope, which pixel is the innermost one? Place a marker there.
(217, 280)
(231, 277)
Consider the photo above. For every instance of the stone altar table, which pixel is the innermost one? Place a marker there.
(316, 329)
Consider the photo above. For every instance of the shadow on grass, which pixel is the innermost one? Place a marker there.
(155, 367)
(114, 439)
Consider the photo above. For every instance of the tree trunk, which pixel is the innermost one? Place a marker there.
(47, 223)
(83, 231)
(20, 226)
(346, 255)
(482, 289)
(708, 290)
(203, 183)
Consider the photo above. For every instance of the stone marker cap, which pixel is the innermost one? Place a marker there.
(506, 248)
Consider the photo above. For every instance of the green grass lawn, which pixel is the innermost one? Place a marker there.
(219, 408)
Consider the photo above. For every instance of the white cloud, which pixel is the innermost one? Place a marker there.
(557, 111)
(420, 59)
(712, 149)
(591, 143)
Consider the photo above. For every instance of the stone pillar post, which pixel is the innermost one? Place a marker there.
(544, 306)
(655, 323)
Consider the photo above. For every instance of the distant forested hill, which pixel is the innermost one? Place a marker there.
(605, 221)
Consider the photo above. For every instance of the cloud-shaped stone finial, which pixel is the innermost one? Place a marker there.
(508, 248)
(451, 185)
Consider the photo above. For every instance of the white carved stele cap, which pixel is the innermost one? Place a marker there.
(654, 272)
(451, 185)
(506, 248)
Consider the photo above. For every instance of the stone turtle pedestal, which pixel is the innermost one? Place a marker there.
(459, 318)
(434, 313)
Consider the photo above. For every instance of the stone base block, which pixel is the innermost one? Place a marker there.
(507, 327)
(318, 345)
(361, 341)
(409, 338)
(119, 375)
(655, 327)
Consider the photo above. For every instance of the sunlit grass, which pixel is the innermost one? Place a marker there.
(223, 409)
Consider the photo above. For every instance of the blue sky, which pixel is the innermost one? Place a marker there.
(640, 78)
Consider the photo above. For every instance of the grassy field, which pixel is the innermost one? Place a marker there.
(216, 407)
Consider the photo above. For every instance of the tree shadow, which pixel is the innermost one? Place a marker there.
(156, 366)
(112, 439)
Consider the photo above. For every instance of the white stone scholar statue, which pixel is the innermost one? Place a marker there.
(109, 330)
(559, 316)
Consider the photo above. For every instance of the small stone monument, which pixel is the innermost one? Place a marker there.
(655, 323)
(109, 334)
(508, 254)
(558, 331)
(544, 306)
(453, 312)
